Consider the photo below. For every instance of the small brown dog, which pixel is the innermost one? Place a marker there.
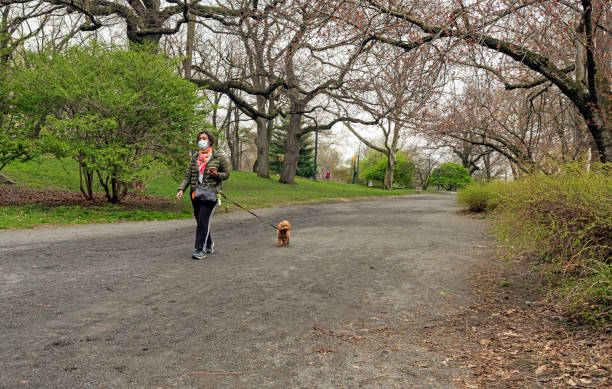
(283, 233)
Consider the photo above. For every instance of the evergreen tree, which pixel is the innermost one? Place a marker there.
(305, 166)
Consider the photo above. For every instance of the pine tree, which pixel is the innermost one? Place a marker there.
(305, 167)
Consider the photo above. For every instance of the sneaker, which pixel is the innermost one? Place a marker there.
(198, 254)
(211, 249)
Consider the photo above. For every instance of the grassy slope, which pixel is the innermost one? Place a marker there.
(245, 188)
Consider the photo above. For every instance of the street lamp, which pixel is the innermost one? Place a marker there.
(358, 156)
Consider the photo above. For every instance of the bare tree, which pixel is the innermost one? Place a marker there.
(425, 160)
(529, 131)
(395, 88)
(290, 66)
(247, 50)
(20, 22)
(527, 43)
(145, 21)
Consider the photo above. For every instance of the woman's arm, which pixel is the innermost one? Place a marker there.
(223, 170)
(186, 178)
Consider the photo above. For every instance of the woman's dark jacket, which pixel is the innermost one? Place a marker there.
(191, 173)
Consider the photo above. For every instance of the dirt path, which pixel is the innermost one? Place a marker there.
(349, 304)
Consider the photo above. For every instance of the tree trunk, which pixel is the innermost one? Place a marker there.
(115, 190)
(292, 147)
(602, 135)
(263, 148)
(425, 182)
(389, 171)
(487, 163)
(235, 149)
(189, 47)
(88, 175)
(104, 182)
(236, 159)
(262, 142)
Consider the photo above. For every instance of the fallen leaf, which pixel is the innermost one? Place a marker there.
(540, 370)
(510, 333)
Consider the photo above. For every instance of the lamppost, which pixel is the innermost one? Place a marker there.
(358, 155)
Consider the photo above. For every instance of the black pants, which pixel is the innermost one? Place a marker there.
(203, 212)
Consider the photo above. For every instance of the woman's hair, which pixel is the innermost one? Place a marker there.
(211, 137)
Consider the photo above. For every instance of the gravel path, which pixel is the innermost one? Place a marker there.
(348, 304)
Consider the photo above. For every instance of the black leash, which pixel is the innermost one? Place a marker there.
(240, 206)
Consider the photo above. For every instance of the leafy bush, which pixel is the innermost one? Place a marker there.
(481, 197)
(114, 111)
(565, 219)
(450, 176)
(374, 165)
(16, 144)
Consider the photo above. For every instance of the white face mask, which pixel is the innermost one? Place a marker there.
(203, 144)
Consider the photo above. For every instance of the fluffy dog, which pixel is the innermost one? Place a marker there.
(283, 233)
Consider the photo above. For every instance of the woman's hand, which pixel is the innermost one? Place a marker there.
(179, 195)
(212, 171)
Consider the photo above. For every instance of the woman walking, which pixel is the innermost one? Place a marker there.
(206, 170)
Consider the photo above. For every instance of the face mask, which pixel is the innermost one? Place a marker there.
(203, 144)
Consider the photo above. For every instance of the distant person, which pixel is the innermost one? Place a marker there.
(327, 175)
(207, 168)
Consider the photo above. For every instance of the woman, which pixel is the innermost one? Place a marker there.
(206, 169)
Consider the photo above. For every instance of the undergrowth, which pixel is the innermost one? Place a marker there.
(564, 220)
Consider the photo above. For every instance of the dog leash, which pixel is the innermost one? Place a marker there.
(240, 206)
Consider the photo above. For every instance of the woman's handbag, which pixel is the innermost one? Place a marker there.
(206, 194)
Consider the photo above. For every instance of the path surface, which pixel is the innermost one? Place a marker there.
(347, 305)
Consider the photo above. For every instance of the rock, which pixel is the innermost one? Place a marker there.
(6, 181)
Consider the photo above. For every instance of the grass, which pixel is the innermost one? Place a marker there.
(245, 188)
(46, 172)
(28, 216)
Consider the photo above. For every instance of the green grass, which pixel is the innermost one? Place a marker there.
(257, 192)
(46, 172)
(245, 188)
(28, 216)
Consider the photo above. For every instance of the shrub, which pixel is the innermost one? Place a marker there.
(481, 197)
(450, 176)
(373, 168)
(114, 111)
(565, 219)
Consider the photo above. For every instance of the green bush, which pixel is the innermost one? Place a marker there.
(566, 220)
(373, 168)
(479, 197)
(450, 176)
(112, 110)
